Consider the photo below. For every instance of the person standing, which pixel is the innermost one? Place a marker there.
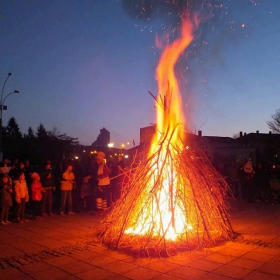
(48, 185)
(250, 187)
(104, 186)
(85, 194)
(21, 197)
(5, 199)
(37, 190)
(67, 184)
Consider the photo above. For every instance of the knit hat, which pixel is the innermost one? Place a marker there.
(34, 175)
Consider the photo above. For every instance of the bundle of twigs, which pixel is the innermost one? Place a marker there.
(172, 199)
(138, 219)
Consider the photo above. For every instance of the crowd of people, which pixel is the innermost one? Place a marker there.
(62, 189)
(91, 187)
(260, 182)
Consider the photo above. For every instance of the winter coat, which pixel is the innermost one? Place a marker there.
(67, 182)
(37, 189)
(47, 182)
(21, 191)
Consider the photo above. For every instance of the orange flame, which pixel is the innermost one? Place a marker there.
(170, 117)
(163, 213)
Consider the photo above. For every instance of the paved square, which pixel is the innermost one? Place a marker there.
(67, 247)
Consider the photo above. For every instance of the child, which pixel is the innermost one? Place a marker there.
(36, 189)
(86, 193)
(5, 199)
(21, 196)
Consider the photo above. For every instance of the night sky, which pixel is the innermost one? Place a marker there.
(81, 65)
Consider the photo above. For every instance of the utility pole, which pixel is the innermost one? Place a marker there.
(2, 108)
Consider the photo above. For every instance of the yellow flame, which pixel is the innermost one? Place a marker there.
(163, 213)
(166, 78)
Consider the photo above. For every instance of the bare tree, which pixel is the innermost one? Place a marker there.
(274, 124)
(236, 135)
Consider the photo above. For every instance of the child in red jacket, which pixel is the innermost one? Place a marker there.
(36, 189)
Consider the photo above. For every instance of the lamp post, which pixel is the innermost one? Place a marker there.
(3, 107)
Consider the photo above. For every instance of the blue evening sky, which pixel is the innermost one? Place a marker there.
(81, 65)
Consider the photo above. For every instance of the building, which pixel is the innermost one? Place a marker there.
(258, 147)
(103, 139)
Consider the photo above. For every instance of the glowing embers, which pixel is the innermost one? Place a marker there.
(173, 200)
(163, 214)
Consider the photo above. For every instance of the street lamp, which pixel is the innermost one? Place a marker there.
(3, 107)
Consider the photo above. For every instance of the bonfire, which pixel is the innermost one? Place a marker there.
(173, 198)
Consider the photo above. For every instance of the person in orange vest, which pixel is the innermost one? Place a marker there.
(104, 185)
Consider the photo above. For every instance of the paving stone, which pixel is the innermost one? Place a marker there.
(118, 277)
(204, 265)
(182, 259)
(232, 252)
(119, 267)
(76, 267)
(270, 268)
(50, 273)
(232, 271)
(161, 266)
(184, 272)
(140, 261)
(100, 260)
(11, 272)
(246, 263)
(95, 274)
(35, 268)
(216, 257)
(268, 251)
(23, 277)
(257, 275)
(214, 276)
(257, 256)
(69, 277)
(275, 259)
(242, 246)
(85, 255)
(60, 261)
(141, 273)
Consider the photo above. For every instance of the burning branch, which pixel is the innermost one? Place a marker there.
(171, 201)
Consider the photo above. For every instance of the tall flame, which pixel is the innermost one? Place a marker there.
(171, 114)
(164, 214)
